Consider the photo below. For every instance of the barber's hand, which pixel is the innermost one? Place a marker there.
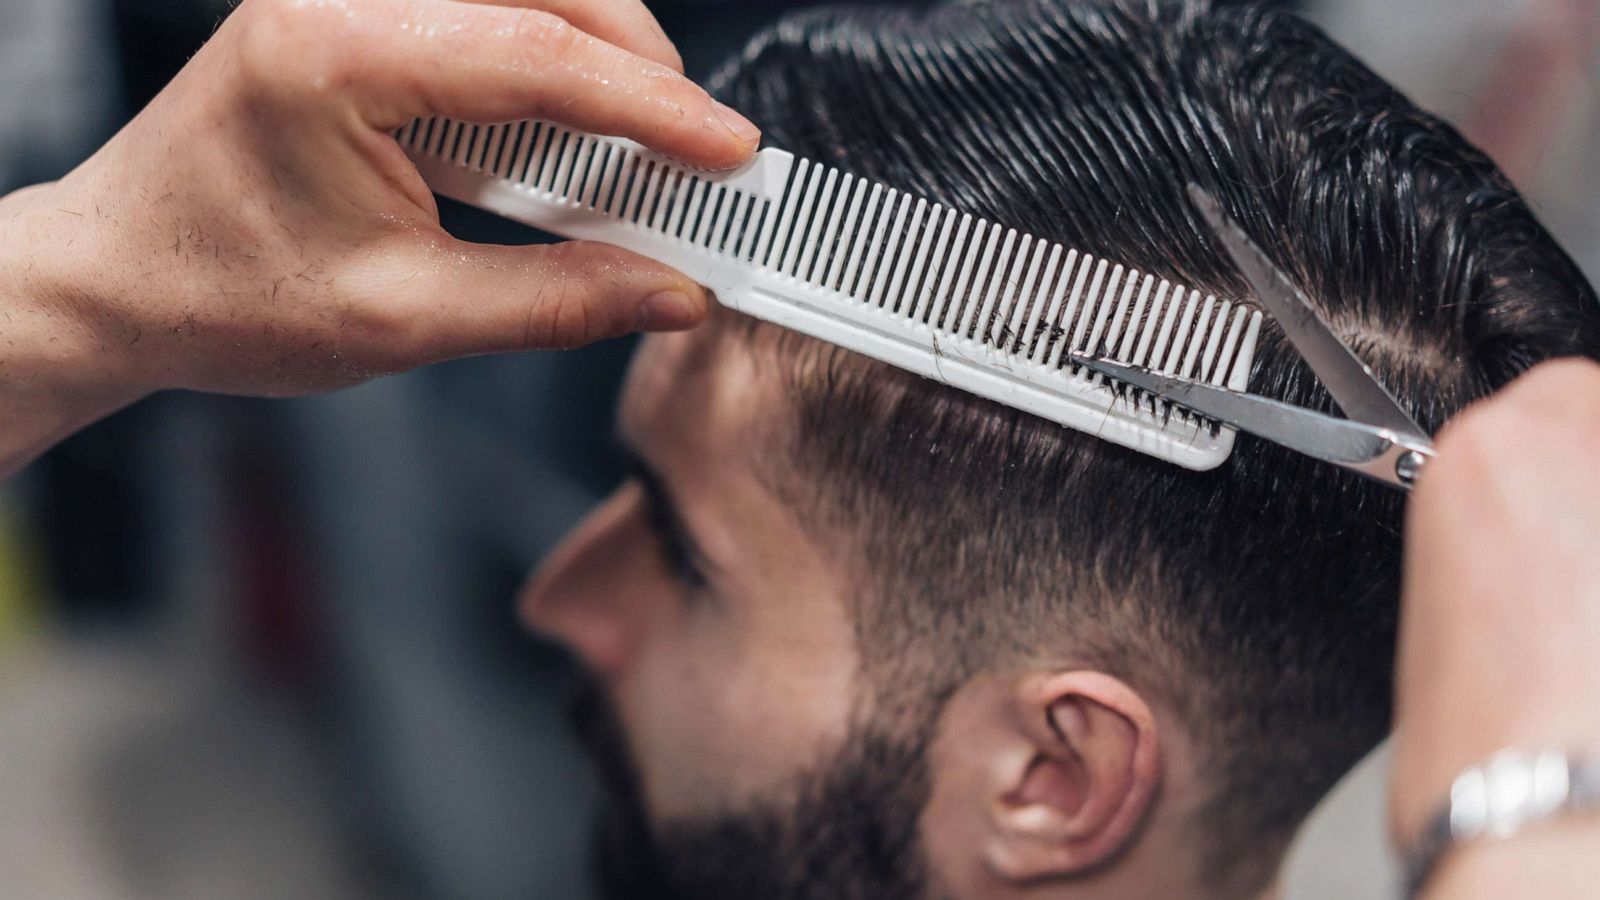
(1500, 638)
(257, 229)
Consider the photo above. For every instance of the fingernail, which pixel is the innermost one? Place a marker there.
(666, 311)
(742, 128)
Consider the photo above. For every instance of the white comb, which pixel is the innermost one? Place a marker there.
(872, 269)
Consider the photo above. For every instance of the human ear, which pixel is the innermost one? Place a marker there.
(1081, 779)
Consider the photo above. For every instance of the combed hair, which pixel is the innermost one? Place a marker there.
(1259, 600)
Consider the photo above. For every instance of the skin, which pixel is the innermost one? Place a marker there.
(1054, 781)
(256, 231)
(735, 679)
(725, 688)
(1501, 621)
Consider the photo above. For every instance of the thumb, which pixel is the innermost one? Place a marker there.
(483, 298)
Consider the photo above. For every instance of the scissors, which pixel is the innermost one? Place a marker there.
(1379, 439)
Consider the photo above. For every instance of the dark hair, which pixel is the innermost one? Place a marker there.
(1260, 599)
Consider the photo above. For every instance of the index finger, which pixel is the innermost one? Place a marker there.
(497, 64)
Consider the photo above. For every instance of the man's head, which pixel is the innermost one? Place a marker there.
(861, 635)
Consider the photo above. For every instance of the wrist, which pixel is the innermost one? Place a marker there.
(1509, 793)
(59, 371)
(1556, 860)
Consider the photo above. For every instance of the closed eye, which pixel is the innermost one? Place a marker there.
(678, 549)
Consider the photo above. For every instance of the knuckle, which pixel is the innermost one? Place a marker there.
(1470, 427)
(546, 35)
(1554, 401)
(295, 47)
(1571, 368)
(569, 309)
(1471, 442)
(1573, 379)
(1533, 439)
(558, 319)
(680, 99)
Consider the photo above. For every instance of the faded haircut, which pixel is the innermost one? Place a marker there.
(1259, 600)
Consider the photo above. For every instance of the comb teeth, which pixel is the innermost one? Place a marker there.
(871, 268)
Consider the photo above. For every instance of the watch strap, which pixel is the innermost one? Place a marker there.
(1499, 797)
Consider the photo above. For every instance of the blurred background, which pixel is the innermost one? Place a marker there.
(257, 649)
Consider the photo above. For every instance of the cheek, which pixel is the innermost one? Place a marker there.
(681, 680)
(682, 718)
(721, 701)
(735, 704)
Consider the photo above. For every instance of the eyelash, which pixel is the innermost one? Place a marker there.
(673, 551)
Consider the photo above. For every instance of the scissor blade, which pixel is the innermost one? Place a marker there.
(1353, 386)
(1337, 441)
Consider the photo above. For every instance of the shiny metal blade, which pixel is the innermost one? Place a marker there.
(1337, 441)
(1353, 386)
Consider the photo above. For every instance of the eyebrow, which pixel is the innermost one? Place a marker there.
(664, 513)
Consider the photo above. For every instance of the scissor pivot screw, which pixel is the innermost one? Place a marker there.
(1409, 466)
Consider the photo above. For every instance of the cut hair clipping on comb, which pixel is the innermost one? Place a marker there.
(969, 302)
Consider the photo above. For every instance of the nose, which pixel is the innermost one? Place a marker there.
(583, 593)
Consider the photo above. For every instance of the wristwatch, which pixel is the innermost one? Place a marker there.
(1497, 798)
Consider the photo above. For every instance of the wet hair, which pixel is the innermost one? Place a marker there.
(1258, 601)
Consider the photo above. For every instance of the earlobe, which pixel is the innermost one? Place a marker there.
(1089, 782)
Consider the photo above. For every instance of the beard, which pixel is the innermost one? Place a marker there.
(850, 831)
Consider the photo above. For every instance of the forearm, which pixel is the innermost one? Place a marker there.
(1556, 861)
(1500, 621)
(57, 373)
